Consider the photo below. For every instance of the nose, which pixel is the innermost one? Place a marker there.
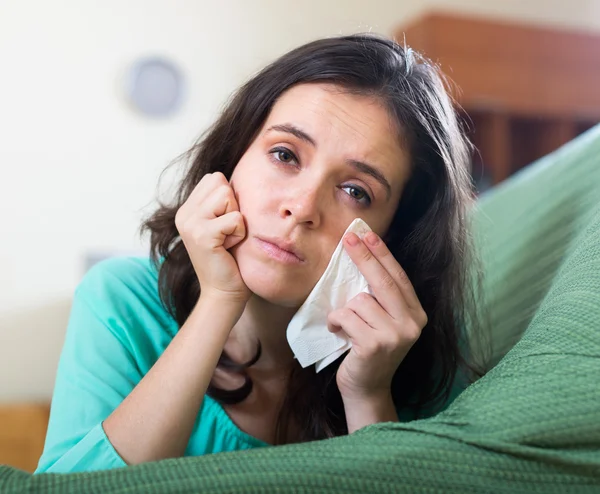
(303, 205)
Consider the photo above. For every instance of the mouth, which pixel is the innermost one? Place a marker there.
(280, 250)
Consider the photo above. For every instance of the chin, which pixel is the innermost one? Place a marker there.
(271, 287)
(271, 281)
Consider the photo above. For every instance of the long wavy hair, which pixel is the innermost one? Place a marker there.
(429, 234)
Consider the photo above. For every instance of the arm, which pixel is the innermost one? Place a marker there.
(148, 413)
(360, 412)
(155, 421)
(112, 342)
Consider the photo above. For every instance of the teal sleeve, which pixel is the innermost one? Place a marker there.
(96, 372)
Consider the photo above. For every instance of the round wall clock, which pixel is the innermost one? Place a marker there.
(155, 86)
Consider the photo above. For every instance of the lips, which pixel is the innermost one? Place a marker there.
(285, 246)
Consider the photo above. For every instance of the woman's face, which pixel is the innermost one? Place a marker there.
(323, 158)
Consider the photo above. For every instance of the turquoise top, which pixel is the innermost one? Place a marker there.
(117, 330)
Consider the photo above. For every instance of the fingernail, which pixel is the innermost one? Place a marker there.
(351, 239)
(372, 238)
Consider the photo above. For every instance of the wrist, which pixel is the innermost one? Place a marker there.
(369, 409)
(217, 301)
(371, 399)
(215, 315)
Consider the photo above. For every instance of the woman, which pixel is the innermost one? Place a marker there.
(187, 355)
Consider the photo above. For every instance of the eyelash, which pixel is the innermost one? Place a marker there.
(275, 151)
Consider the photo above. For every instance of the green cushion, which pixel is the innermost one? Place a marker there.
(526, 226)
(532, 424)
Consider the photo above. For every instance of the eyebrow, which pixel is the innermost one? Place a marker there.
(295, 131)
(373, 172)
(359, 166)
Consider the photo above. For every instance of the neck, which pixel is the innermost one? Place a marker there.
(267, 323)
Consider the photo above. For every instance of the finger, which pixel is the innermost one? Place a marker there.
(383, 286)
(208, 183)
(392, 266)
(239, 233)
(390, 333)
(205, 185)
(347, 320)
(370, 311)
(227, 230)
(218, 202)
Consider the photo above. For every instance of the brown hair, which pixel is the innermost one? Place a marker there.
(429, 234)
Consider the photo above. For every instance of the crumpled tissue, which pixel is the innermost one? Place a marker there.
(307, 333)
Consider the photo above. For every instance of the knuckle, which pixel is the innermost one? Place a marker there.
(223, 191)
(366, 255)
(345, 313)
(363, 298)
(226, 193)
(233, 217)
(413, 331)
(385, 254)
(335, 315)
(215, 178)
(395, 342)
(402, 276)
(387, 282)
(184, 227)
(203, 183)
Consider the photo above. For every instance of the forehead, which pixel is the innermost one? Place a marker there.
(327, 105)
(345, 125)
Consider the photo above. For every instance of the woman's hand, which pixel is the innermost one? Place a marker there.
(209, 223)
(382, 327)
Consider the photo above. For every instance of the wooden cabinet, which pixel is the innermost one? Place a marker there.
(524, 90)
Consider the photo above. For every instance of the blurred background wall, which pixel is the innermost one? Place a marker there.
(79, 167)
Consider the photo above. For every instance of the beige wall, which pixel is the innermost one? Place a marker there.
(79, 168)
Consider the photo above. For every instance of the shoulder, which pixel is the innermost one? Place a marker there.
(121, 272)
(125, 288)
(129, 277)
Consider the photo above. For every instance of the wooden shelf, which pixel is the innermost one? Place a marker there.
(527, 90)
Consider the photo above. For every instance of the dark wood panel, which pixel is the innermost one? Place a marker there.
(526, 89)
(513, 67)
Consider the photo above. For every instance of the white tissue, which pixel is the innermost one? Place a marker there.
(307, 333)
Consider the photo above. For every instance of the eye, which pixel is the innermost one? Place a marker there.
(358, 194)
(283, 155)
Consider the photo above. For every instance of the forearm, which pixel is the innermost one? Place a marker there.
(156, 420)
(361, 412)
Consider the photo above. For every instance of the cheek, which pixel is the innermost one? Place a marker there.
(252, 188)
(243, 186)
